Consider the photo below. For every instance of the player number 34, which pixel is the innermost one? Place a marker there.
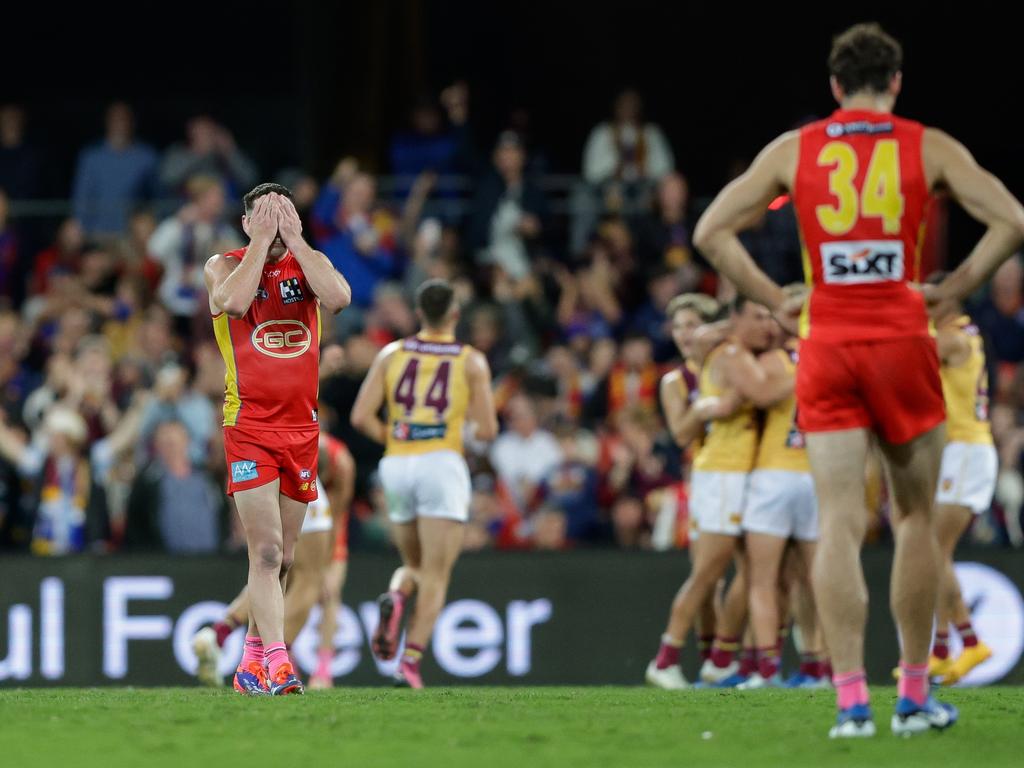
(881, 195)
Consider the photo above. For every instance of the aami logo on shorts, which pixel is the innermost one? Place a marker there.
(282, 338)
(862, 261)
(243, 470)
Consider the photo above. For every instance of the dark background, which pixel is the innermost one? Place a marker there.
(304, 82)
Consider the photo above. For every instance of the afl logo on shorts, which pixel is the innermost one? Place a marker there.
(862, 261)
(282, 338)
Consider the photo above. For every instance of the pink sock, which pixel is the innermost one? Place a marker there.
(274, 657)
(913, 683)
(668, 653)
(253, 650)
(851, 688)
(323, 668)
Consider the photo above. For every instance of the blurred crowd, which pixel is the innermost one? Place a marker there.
(111, 383)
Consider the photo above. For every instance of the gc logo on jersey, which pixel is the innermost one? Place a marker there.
(282, 338)
(291, 290)
(862, 261)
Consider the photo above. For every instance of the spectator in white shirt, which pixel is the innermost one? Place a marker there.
(626, 149)
(524, 454)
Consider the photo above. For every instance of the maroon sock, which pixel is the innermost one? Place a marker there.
(748, 662)
(668, 653)
(767, 662)
(723, 651)
(940, 648)
(222, 630)
(825, 669)
(967, 634)
(810, 665)
(704, 646)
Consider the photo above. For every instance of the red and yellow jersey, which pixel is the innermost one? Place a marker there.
(427, 393)
(272, 353)
(861, 198)
(782, 445)
(965, 390)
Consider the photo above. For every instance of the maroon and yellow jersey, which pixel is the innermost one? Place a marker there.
(427, 394)
(861, 198)
(272, 353)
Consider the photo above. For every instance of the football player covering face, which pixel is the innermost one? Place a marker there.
(861, 181)
(265, 305)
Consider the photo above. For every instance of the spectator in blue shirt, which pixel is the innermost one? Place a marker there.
(113, 176)
(359, 238)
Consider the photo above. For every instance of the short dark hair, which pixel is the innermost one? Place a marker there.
(738, 303)
(865, 58)
(260, 190)
(434, 298)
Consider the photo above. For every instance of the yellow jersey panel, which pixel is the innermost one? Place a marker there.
(427, 395)
(730, 445)
(965, 389)
(782, 445)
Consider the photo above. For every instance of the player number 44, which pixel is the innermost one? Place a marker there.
(881, 195)
(436, 396)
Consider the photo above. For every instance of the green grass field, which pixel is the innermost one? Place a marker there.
(485, 728)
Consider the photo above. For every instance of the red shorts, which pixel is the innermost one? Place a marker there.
(260, 456)
(890, 386)
(340, 553)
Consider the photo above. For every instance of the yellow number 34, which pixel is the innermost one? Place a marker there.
(881, 195)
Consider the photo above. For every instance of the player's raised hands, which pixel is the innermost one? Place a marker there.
(288, 222)
(263, 221)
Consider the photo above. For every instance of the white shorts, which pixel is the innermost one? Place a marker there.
(968, 476)
(318, 512)
(716, 501)
(434, 484)
(783, 504)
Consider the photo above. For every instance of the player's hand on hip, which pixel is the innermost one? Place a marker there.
(788, 314)
(263, 222)
(938, 304)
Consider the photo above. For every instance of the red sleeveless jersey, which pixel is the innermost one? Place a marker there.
(272, 353)
(861, 198)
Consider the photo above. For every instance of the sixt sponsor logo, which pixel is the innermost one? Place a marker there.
(862, 261)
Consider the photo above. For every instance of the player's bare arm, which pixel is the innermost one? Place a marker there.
(480, 411)
(949, 165)
(330, 287)
(366, 411)
(756, 381)
(707, 337)
(954, 348)
(232, 284)
(738, 207)
(686, 422)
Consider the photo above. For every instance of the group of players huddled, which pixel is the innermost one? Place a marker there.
(731, 407)
(886, 366)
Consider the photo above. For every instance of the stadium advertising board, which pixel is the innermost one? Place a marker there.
(576, 618)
